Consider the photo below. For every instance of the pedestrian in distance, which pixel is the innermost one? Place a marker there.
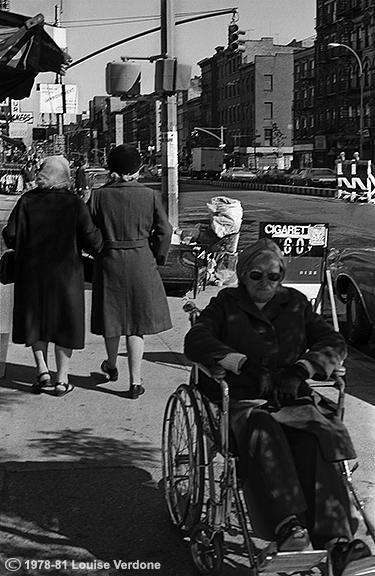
(81, 181)
(48, 228)
(28, 174)
(128, 296)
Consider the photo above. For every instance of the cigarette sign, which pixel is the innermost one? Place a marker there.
(297, 239)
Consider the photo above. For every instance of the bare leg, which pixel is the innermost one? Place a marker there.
(40, 350)
(135, 346)
(112, 345)
(63, 356)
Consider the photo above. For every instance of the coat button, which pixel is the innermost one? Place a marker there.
(262, 329)
(265, 361)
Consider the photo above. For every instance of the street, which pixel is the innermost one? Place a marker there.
(80, 476)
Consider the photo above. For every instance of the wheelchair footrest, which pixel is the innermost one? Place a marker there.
(292, 561)
(362, 567)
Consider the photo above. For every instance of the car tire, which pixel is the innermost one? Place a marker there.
(358, 325)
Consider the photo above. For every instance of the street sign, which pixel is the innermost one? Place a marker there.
(27, 117)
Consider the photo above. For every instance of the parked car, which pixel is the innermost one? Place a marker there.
(272, 176)
(156, 171)
(320, 177)
(289, 177)
(353, 276)
(96, 176)
(238, 174)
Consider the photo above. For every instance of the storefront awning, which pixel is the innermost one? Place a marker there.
(25, 50)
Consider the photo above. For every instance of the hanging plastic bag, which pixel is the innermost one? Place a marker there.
(226, 215)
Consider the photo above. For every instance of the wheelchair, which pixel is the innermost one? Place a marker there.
(204, 495)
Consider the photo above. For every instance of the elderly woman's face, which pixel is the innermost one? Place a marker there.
(262, 278)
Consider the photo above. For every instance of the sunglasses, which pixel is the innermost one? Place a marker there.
(272, 276)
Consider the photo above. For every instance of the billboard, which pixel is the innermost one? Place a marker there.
(52, 98)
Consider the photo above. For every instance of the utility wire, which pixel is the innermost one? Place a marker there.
(130, 19)
(150, 31)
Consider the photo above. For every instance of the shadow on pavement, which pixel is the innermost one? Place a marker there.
(72, 513)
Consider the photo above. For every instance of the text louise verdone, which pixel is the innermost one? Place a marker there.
(124, 565)
(86, 565)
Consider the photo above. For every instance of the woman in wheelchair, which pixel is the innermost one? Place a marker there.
(267, 341)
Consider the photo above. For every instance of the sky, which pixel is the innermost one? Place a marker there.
(282, 19)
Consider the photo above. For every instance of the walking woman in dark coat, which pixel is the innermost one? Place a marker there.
(268, 341)
(128, 294)
(48, 229)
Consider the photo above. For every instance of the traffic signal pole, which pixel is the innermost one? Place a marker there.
(169, 139)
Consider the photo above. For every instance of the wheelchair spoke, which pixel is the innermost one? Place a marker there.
(183, 460)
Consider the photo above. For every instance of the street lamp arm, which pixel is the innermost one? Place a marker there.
(338, 44)
(208, 132)
(362, 82)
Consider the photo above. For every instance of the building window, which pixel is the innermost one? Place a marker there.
(268, 110)
(268, 136)
(268, 82)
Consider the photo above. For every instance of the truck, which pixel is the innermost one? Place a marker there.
(207, 163)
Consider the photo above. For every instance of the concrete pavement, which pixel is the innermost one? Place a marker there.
(80, 475)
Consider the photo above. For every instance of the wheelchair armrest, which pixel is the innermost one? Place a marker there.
(337, 381)
(220, 381)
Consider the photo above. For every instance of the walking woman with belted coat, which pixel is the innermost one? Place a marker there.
(128, 294)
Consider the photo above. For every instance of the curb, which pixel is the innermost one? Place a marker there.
(281, 188)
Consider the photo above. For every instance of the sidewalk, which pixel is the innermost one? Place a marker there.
(80, 475)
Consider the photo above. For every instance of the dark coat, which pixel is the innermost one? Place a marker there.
(286, 330)
(128, 293)
(49, 229)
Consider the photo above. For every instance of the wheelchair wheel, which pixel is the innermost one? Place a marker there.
(207, 549)
(183, 459)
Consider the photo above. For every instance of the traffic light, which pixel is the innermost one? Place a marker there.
(123, 78)
(235, 44)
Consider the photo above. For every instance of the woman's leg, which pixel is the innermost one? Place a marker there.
(112, 346)
(40, 351)
(135, 346)
(329, 512)
(271, 486)
(62, 356)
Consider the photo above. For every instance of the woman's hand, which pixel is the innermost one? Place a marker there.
(288, 383)
(261, 379)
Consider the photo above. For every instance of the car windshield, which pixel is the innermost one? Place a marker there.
(324, 171)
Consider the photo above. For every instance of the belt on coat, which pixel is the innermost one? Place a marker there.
(125, 244)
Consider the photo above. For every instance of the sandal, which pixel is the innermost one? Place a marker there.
(43, 380)
(292, 537)
(63, 388)
(112, 372)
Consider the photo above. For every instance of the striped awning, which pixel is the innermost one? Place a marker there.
(25, 50)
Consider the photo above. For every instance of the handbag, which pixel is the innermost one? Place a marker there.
(7, 267)
(88, 267)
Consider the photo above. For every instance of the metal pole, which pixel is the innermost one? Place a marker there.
(361, 112)
(169, 184)
(58, 80)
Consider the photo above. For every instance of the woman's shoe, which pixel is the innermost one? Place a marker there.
(111, 372)
(342, 553)
(43, 380)
(63, 388)
(292, 537)
(135, 391)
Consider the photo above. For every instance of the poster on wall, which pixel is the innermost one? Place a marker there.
(52, 98)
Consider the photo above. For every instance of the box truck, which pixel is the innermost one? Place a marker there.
(207, 162)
